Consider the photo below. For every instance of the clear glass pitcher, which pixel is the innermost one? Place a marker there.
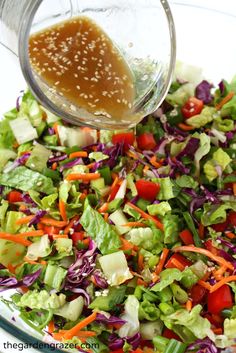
(143, 31)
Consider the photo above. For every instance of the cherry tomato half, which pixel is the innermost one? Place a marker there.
(192, 107)
(147, 189)
(198, 294)
(127, 138)
(14, 196)
(181, 259)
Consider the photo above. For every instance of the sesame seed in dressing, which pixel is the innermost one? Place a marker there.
(93, 73)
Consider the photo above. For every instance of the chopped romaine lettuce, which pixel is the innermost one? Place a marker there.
(131, 317)
(220, 160)
(34, 299)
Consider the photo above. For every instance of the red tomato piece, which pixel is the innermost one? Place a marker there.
(186, 237)
(220, 227)
(50, 230)
(146, 141)
(232, 218)
(221, 299)
(14, 196)
(180, 258)
(192, 107)
(114, 192)
(147, 189)
(78, 236)
(198, 294)
(167, 333)
(127, 138)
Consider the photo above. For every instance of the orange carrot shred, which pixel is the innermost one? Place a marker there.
(230, 235)
(70, 225)
(201, 231)
(146, 215)
(203, 284)
(51, 327)
(62, 209)
(234, 189)
(205, 252)
(24, 220)
(161, 263)
(84, 177)
(53, 222)
(54, 166)
(15, 239)
(134, 224)
(222, 282)
(78, 327)
(103, 208)
(225, 100)
(185, 127)
(79, 154)
(140, 262)
(189, 305)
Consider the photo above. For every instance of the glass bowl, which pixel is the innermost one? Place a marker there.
(205, 37)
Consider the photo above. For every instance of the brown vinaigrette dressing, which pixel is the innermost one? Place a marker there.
(80, 62)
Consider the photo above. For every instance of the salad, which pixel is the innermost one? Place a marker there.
(124, 241)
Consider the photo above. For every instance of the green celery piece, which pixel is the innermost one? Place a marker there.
(142, 203)
(114, 205)
(97, 345)
(38, 158)
(25, 179)
(160, 343)
(54, 276)
(191, 226)
(101, 232)
(115, 296)
(106, 174)
(180, 295)
(148, 311)
(175, 346)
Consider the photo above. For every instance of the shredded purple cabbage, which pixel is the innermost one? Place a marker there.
(83, 293)
(221, 87)
(100, 280)
(115, 342)
(82, 268)
(203, 346)
(18, 100)
(57, 158)
(190, 149)
(77, 161)
(27, 199)
(12, 282)
(109, 320)
(51, 131)
(39, 214)
(203, 92)
(177, 165)
(19, 161)
(174, 131)
(229, 245)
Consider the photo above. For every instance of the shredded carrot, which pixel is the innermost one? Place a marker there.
(225, 100)
(84, 177)
(219, 273)
(136, 274)
(201, 231)
(51, 327)
(83, 196)
(22, 208)
(32, 233)
(53, 222)
(106, 215)
(146, 168)
(79, 154)
(204, 284)
(91, 165)
(78, 327)
(140, 262)
(24, 220)
(15, 239)
(30, 261)
(54, 166)
(230, 235)
(59, 236)
(86, 241)
(222, 282)
(154, 162)
(43, 262)
(161, 263)
(146, 215)
(207, 253)
(178, 264)
(115, 182)
(155, 277)
(126, 245)
(189, 305)
(134, 224)
(70, 224)
(131, 155)
(11, 268)
(86, 334)
(141, 282)
(234, 189)
(103, 208)
(185, 127)
(62, 209)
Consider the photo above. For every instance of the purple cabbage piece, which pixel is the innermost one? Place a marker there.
(57, 158)
(109, 320)
(82, 268)
(134, 200)
(203, 346)
(19, 161)
(160, 147)
(71, 164)
(203, 92)
(229, 245)
(12, 282)
(210, 196)
(174, 131)
(115, 342)
(18, 100)
(221, 87)
(27, 199)
(51, 131)
(196, 203)
(83, 293)
(229, 135)
(113, 152)
(190, 149)
(134, 340)
(39, 214)
(100, 280)
(1, 189)
(177, 165)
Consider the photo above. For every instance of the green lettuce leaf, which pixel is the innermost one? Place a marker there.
(203, 150)
(167, 277)
(219, 159)
(35, 299)
(25, 179)
(38, 158)
(186, 181)
(159, 209)
(166, 188)
(171, 228)
(148, 311)
(206, 116)
(131, 327)
(100, 231)
(106, 303)
(214, 214)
